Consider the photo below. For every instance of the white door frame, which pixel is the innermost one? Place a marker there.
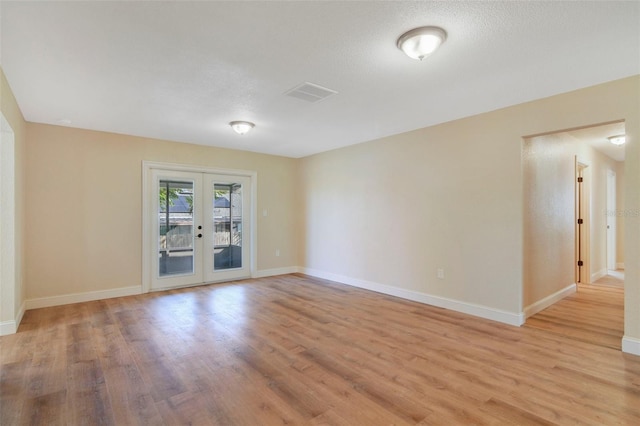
(9, 315)
(583, 210)
(148, 249)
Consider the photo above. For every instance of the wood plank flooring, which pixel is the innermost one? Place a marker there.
(296, 350)
(615, 280)
(594, 314)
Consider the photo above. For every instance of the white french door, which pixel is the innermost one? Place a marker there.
(227, 213)
(200, 228)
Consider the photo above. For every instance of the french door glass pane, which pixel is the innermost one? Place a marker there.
(227, 221)
(175, 219)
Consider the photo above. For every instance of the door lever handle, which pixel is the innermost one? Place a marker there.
(199, 235)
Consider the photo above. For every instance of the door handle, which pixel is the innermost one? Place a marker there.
(199, 235)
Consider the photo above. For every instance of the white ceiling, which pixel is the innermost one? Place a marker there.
(182, 70)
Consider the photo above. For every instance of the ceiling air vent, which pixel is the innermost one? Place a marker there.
(310, 92)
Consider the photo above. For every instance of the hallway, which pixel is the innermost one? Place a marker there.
(594, 314)
(615, 279)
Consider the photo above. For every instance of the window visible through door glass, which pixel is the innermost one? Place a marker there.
(175, 219)
(227, 219)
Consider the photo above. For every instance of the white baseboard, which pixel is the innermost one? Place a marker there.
(276, 271)
(45, 302)
(597, 275)
(8, 327)
(510, 318)
(11, 327)
(538, 306)
(21, 312)
(631, 345)
(620, 265)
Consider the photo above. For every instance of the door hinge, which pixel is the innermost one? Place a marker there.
(580, 180)
(580, 263)
(580, 221)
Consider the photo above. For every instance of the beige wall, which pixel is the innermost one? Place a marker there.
(549, 215)
(389, 211)
(631, 102)
(392, 211)
(395, 210)
(84, 206)
(13, 294)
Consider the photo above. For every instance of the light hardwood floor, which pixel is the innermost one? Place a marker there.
(615, 279)
(594, 314)
(296, 350)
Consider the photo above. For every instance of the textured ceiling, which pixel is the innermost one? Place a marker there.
(182, 70)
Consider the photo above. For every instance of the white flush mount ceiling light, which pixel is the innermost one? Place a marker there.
(241, 127)
(617, 140)
(419, 43)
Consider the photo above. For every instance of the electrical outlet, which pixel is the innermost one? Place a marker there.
(440, 273)
(277, 252)
(265, 213)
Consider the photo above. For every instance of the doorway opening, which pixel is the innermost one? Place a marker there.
(573, 181)
(615, 265)
(608, 184)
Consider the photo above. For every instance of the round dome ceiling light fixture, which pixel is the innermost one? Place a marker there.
(419, 43)
(617, 140)
(241, 127)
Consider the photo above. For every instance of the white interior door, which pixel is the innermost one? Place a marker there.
(201, 228)
(611, 220)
